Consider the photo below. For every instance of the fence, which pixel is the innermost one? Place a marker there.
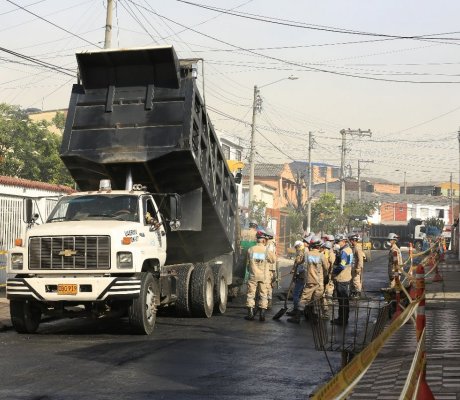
(341, 385)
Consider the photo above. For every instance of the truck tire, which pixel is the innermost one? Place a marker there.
(418, 246)
(183, 304)
(386, 245)
(220, 289)
(25, 316)
(376, 244)
(202, 291)
(143, 310)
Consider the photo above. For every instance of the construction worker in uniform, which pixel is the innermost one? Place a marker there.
(259, 258)
(249, 235)
(271, 246)
(394, 257)
(341, 274)
(357, 268)
(329, 255)
(298, 271)
(315, 265)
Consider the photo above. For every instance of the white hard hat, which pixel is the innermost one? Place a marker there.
(392, 236)
(298, 243)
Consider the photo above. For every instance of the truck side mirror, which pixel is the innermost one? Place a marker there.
(28, 209)
(238, 177)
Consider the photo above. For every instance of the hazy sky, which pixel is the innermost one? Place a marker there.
(390, 66)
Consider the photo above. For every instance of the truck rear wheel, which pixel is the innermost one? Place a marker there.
(202, 291)
(220, 289)
(376, 244)
(25, 316)
(183, 304)
(143, 310)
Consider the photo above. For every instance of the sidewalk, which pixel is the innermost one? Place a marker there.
(386, 376)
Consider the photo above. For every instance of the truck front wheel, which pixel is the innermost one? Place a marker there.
(25, 315)
(202, 291)
(143, 310)
(376, 245)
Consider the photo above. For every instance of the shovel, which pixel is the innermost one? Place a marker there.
(281, 312)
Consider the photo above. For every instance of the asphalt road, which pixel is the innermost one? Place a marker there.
(225, 357)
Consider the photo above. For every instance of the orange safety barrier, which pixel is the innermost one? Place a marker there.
(424, 392)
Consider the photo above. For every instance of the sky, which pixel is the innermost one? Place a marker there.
(391, 67)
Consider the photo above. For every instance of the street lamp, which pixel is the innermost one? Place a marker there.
(257, 107)
(405, 187)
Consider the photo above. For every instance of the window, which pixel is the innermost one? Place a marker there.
(335, 173)
(238, 155)
(322, 172)
(226, 150)
(439, 213)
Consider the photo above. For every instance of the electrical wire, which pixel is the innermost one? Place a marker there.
(52, 23)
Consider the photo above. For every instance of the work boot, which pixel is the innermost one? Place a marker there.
(295, 319)
(292, 312)
(269, 306)
(262, 315)
(250, 316)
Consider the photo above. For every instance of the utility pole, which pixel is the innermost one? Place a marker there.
(344, 133)
(359, 175)
(108, 25)
(451, 200)
(309, 179)
(256, 105)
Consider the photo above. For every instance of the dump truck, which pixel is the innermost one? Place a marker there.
(153, 223)
(411, 232)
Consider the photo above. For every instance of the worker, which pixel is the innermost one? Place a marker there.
(394, 257)
(329, 255)
(315, 265)
(271, 246)
(259, 258)
(249, 235)
(341, 275)
(298, 271)
(357, 268)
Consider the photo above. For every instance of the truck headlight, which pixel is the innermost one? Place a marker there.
(17, 261)
(124, 259)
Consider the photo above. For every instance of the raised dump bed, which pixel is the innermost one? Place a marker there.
(139, 110)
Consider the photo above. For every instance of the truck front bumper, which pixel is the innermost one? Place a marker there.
(83, 288)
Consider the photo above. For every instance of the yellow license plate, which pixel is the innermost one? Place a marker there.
(67, 289)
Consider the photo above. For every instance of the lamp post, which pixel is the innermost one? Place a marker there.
(405, 186)
(257, 107)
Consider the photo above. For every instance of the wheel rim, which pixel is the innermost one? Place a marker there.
(209, 294)
(222, 290)
(150, 306)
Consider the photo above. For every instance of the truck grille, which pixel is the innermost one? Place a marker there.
(69, 252)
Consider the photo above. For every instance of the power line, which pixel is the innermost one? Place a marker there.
(297, 64)
(304, 25)
(52, 23)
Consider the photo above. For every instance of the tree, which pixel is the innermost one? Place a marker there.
(355, 208)
(28, 150)
(59, 121)
(325, 214)
(295, 221)
(258, 209)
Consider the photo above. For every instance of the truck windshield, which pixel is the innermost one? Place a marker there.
(96, 207)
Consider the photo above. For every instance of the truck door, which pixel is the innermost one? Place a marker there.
(156, 232)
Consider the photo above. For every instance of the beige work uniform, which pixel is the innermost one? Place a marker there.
(259, 258)
(357, 268)
(315, 265)
(271, 246)
(249, 235)
(392, 262)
